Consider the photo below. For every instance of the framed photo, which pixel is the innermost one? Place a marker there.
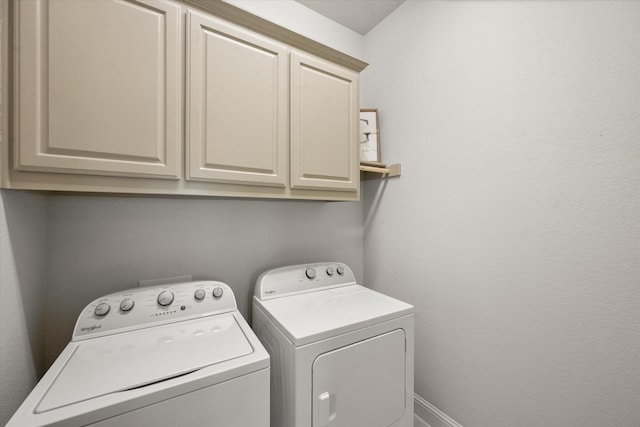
(369, 136)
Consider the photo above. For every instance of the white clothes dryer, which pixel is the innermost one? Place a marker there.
(174, 355)
(341, 354)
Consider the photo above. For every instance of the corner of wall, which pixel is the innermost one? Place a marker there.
(22, 276)
(430, 415)
(304, 21)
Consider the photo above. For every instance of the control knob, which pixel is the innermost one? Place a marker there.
(165, 298)
(340, 270)
(217, 292)
(330, 271)
(126, 304)
(199, 294)
(102, 309)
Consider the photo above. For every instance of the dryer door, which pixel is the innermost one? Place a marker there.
(362, 384)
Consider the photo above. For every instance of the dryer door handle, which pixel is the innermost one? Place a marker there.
(326, 408)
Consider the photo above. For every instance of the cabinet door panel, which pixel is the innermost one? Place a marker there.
(324, 119)
(99, 88)
(237, 110)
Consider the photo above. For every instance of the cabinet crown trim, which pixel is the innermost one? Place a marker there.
(246, 19)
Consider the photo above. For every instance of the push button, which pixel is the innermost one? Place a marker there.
(310, 273)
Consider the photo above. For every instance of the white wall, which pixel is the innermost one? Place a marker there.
(515, 227)
(22, 271)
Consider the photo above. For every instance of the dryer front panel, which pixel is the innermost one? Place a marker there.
(362, 384)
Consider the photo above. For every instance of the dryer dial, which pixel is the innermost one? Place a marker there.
(217, 292)
(310, 273)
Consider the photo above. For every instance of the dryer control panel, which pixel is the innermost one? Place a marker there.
(296, 279)
(144, 307)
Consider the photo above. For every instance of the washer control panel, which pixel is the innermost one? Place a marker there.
(144, 307)
(301, 278)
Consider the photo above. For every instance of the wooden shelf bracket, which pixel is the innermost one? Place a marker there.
(385, 171)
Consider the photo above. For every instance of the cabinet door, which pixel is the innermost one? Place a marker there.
(99, 87)
(237, 105)
(324, 122)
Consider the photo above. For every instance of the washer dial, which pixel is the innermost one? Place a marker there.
(199, 294)
(102, 309)
(126, 304)
(165, 298)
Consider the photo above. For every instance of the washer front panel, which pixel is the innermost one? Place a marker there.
(239, 402)
(145, 307)
(130, 360)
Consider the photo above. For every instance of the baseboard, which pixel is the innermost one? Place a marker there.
(419, 422)
(431, 415)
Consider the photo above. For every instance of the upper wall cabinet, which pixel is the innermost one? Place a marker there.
(191, 97)
(99, 88)
(324, 121)
(237, 113)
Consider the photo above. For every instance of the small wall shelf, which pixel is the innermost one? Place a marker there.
(379, 170)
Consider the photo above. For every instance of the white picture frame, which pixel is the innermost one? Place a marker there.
(369, 136)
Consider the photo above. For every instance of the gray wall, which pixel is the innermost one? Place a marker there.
(23, 237)
(302, 20)
(99, 245)
(515, 227)
(59, 252)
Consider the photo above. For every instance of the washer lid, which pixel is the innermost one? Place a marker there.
(313, 316)
(136, 359)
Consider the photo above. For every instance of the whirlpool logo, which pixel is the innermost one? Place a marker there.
(90, 328)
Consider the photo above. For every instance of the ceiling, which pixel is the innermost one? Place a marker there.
(358, 15)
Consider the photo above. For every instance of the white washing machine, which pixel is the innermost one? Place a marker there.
(174, 355)
(341, 354)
